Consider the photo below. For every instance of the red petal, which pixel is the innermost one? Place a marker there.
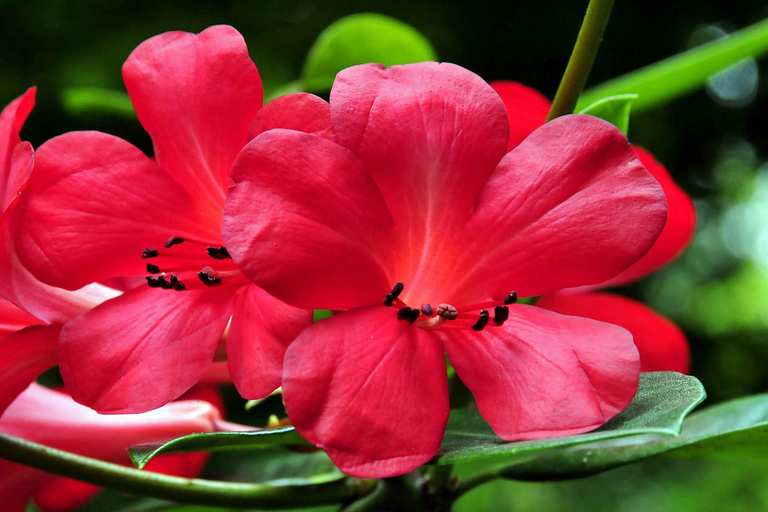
(370, 390)
(11, 120)
(306, 223)
(662, 345)
(196, 96)
(261, 330)
(61, 494)
(430, 135)
(542, 374)
(527, 109)
(13, 318)
(570, 206)
(94, 202)
(678, 231)
(144, 348)
(17, 483)
(24, 355)
(300, 111)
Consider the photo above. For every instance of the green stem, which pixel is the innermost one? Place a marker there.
(182, 490)
(470, 483)
(580, 64)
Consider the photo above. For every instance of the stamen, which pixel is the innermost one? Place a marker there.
(427, 310)
(208, 277)
(414, 315)
(176, 284)
(174, 240)
(153, 269)
(447, 311)
(219, 253)
(481, 322)
(404, 313)
(500, 314)
(149, 253)
(152, 282)
(165, 285)
(392, 296)
(511, 298)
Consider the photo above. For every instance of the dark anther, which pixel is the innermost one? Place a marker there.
(208, 278)
(393, 295)
(219, 253)
(511, 298)
(165, 285)
(500, 314)
(481, 322)
(174, 240)
(153, 269)
(149, 253)
(404, 313)
(413, 315)
(447, 311)
(152, 282)
(427, 309)
(176, 284)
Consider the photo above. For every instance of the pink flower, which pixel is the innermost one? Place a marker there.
(409, 182)
(97, 207)
(662, 345)
(31, 313)
(52, 418)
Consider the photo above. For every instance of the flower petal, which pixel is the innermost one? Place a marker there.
(261, 330)
(301, 111)
(430, 135)
(61, 494)
(144, 348)
(678, 231)
(371, 390)
(570, 206)
(306, 223)
(13, 318)
(542, 374)
(195, 94)
(12, 118)
(93, 203)
(527, 109)
(662, 345)
(24, 355)
(17, 484)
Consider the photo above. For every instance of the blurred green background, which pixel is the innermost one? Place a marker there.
(714, 142)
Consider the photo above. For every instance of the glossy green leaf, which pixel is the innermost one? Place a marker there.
(614, 109)
(668, 79)
(734, 429)
(359, 39)
(93, 100)
(663, 400)
(218, 441)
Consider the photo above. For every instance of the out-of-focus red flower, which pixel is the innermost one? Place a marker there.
(97, 208)
(662, 346)
(409, 182)
(52, 418)
(31, 313)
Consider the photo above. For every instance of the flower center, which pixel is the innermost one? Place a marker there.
(447, 316)
(175, 267)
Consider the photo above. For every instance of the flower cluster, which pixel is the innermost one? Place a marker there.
(419, 203)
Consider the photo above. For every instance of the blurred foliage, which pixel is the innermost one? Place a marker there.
(713, 142)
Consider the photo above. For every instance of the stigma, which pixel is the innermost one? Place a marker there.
(447, 316)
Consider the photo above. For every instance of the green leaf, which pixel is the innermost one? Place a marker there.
(359, 39)
(733, 429)
(668, 79)
(614, 109)
(321, 314)
(218, 441)
(663, 400)
(87, 100)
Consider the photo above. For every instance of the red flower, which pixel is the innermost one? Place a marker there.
(96, 207)
(408, 182)
(662, 345)
(31, 313)
(52, 418)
